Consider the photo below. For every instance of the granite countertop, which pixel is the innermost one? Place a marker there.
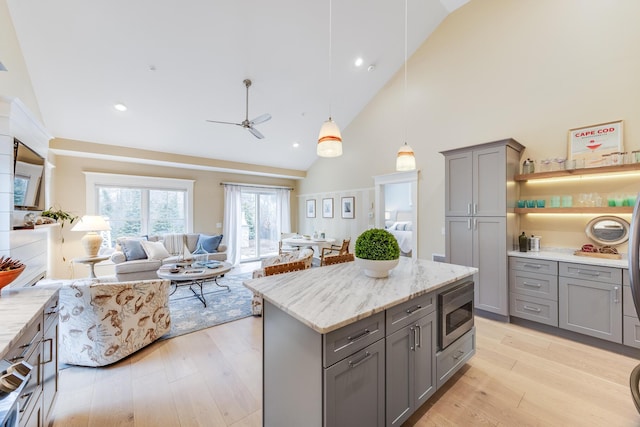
(330, 297)
(18, 308)
(566, 255)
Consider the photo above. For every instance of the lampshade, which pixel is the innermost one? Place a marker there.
(91, 223)
(329, 140)
(92, 240)
(406, 160)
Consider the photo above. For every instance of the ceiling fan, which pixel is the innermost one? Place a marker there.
(246, 123)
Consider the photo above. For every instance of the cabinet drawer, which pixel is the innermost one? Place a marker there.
(347, 340)
(26, 344)
(533, 265)
(631, 331)
(401, 315)
(449, 360)
(591, 272)
(534, 284)
(534, 309)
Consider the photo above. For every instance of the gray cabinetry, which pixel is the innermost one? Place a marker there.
(50, 357)
(590, 300)
(479, 191)
(451, 359)
(533, 290)
(410, 373)
(630, 322)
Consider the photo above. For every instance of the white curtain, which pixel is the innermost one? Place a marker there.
(283, 210)
(232, 222)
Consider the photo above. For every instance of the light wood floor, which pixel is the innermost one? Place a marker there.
(518, 377)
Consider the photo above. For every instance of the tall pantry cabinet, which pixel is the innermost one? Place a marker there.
(480, 226)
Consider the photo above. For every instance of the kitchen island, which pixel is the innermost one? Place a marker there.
(340, 348)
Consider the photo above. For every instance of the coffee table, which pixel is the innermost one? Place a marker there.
(194, 274)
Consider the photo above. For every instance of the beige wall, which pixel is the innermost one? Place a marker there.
(15, 82)
(69, 194)
(494, 69)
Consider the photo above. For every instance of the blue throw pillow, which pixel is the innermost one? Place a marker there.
(209, 243)
(132, 249)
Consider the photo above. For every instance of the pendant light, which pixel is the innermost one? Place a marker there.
(329, 139)
(405, 159)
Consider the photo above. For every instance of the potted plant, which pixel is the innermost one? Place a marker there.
(59, 216)
(377, 252)
(10, 269)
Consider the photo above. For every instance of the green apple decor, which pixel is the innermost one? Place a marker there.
(377, 252)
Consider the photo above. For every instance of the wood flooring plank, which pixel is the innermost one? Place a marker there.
(153, 402)
(194, 403)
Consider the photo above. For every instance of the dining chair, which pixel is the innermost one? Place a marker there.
(282, 247)
(337, 259)
(334, 250)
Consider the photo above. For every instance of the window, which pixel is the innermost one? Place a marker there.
(150, 206)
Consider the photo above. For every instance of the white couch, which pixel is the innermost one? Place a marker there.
(178, 247)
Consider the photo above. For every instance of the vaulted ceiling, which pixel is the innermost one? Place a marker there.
(177, 64)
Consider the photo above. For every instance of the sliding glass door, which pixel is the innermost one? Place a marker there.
(260, 230)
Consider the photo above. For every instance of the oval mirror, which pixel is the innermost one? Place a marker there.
(608, 230)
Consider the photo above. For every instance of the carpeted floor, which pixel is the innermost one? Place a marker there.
(188, 314)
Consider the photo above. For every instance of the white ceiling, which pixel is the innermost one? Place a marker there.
(176, 64)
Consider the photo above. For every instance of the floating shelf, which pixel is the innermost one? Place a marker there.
(635, 167)
(577, 210)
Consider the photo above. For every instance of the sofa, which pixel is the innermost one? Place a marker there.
(101, 323)
(138, 258)
(283, 263)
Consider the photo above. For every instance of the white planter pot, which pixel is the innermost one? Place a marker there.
(375, 268)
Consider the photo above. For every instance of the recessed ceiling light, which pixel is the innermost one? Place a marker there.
(120, 107)
(359, 62)
(296, 145)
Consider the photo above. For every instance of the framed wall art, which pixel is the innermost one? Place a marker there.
(311, 208)
(327, 208)
(590, 143)
(348, 207)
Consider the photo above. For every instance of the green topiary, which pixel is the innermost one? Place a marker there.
(377, 244)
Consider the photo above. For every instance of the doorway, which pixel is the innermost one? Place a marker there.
(260, 231)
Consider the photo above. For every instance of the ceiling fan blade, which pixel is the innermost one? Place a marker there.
(261, 119)
(225, 123)
(255, 132)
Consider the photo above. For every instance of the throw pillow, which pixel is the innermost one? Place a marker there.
(132, 249)
(209, 243)
(155, 250)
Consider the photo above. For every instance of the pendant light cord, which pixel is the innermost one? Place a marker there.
(405, 70)
(330, 56)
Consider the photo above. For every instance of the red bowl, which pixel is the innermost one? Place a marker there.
(9, 276)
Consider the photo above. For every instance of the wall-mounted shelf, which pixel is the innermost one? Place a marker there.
(578, 172)
(577, 210)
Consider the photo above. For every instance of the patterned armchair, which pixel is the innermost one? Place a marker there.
(284, 263)
(101, 323)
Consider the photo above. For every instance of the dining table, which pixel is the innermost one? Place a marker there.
(315, 244)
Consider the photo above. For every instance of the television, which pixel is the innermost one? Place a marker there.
(28, 175)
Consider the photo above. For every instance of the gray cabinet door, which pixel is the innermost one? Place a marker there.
(489, 249)
(459, 240)
(590, 308)
(411, 369)
(489, 181)
(459, 191)
(355, 389)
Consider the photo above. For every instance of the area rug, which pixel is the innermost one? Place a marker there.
(188, 314)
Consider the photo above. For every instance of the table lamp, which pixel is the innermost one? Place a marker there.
(92, 240)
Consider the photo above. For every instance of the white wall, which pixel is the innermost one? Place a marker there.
(494, 69)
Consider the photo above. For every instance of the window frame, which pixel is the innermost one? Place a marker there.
(95, 179)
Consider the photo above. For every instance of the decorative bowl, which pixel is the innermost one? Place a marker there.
(9, 276)
(376, 268)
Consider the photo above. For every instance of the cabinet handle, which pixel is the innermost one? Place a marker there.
(616, 300)
(24, 405)
(475, 223)
(53, 310)
(468, 208)
(536, 266)
(411, 310)
(469, 224)
(353, 364)
(475, 208)
(25, 348)
(50, 351)
(533, 285)
(589, 273)
(458, 354)
(412, 339)
(419, 333)
(359, 336)
(526, 307)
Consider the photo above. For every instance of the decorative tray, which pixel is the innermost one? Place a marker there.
(598, 255)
